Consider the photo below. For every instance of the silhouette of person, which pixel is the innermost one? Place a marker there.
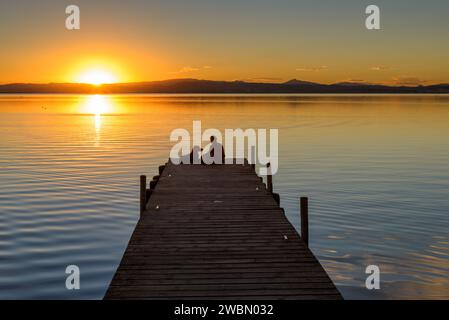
(195, 155)
(216, 152)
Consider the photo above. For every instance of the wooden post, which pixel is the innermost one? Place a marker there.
(253, 157)
(269, 178)
(143, 193)
(305, 220)
(277, 198)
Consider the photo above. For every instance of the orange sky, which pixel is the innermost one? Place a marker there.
(269, 42)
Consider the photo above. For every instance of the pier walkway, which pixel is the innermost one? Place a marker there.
(216, 232)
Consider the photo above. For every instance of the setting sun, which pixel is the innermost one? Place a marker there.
(97, 77)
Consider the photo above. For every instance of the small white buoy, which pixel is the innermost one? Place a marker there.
(157, 207)
(285, 237)
(257, 188)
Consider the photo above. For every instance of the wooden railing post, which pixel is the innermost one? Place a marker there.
(143, 193)
(305, 219)
(269, 178)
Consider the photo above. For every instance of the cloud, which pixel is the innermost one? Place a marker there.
(312, 69)
(408, 81)
(379, 68)
(263, 79)
(356, 80)
(186, 70)
(192, 69)
(352, 81)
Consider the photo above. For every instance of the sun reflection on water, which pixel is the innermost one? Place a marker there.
(97, 123)
(97, 104)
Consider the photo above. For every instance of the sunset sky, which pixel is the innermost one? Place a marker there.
(252, 40)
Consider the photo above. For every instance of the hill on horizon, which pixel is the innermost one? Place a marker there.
(211, 86)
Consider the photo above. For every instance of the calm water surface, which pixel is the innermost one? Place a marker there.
(376, 169)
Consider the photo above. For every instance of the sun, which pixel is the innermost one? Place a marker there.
(97, 77)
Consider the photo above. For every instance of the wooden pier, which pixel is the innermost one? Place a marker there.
(216, 232)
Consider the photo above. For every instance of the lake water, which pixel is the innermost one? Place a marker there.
(375, 168)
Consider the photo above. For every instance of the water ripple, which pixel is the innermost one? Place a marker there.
(376, 170)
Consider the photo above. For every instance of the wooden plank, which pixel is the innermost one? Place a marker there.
(216, 232)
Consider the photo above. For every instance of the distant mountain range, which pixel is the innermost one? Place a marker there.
(208, 86)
